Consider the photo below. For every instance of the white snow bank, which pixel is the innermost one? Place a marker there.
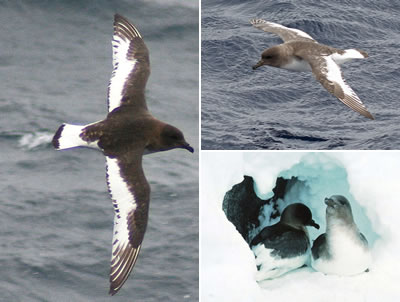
(370, 180)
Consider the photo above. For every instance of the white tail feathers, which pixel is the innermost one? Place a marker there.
(68, 136)
(348, 55)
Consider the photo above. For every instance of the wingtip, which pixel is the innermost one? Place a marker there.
(113, 291)
(363, 53)
(56, 138)
(370, 116)
(364, 112)
(125, 27)
(118, 16)
(255, 21)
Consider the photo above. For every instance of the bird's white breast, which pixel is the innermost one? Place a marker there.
(349, 255)
(297, 65)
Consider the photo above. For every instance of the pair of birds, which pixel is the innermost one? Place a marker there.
(127, 133)
(285, 246)
(300, 52)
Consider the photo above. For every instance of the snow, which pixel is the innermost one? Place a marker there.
(370, 181)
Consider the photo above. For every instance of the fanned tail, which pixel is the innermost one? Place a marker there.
(72, 136)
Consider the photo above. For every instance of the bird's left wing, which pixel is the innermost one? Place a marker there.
(131, 66)
(285, 33)
(130, 195)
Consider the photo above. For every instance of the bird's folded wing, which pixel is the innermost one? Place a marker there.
(328, 73)
(319, 248)
(285, 33)
(131, 67)
(130, 193)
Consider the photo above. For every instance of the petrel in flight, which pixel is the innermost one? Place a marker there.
(127, 133)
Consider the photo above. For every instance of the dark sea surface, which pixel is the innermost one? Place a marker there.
(272, 108)
(56, 217)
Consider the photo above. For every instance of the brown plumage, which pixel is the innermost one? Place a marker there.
(127, 133)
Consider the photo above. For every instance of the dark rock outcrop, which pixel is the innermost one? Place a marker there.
(242, 206)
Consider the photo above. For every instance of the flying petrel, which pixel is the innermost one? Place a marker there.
(127, 133)
(301, 52)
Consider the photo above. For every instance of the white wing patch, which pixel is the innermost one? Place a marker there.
(294, 30)
(334, 74)
(124, 203)
(122, 67)
(330, 76)
(285, 32)
(300, 32)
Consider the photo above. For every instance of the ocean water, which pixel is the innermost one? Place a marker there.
(270, 108)
(56, 216)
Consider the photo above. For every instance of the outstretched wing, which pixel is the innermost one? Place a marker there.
(285, 33)
(131, 67)
(328, 73)
(130, 195)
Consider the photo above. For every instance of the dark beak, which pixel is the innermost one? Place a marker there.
(329, 202)
(188, 147)
(314, 224)
(260, 63)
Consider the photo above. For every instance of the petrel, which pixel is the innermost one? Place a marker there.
(284, 246)
(300, 52)
(342, 249)
(127, 133)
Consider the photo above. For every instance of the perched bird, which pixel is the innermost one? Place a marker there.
(284, 246)
(300, 52)
(342, 250)
(127, 133)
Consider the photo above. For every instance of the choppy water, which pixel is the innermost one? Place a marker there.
(55, 213)
(277, 109)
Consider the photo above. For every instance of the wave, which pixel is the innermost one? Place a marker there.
(36, 140)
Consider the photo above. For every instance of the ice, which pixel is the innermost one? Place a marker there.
(370, 181)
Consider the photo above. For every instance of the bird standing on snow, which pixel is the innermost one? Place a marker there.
(284, 246)
(127, 133)
(342, 250)
(301, 52)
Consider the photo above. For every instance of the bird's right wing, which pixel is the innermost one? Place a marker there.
(328, 73)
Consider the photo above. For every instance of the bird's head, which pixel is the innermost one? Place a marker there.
(171, 138)
(269, 57)
(338, 209)
(298, 215)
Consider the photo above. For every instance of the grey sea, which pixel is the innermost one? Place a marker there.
(56, 217)
(272, 108)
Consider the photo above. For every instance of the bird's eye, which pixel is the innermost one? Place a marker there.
(267, 57)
